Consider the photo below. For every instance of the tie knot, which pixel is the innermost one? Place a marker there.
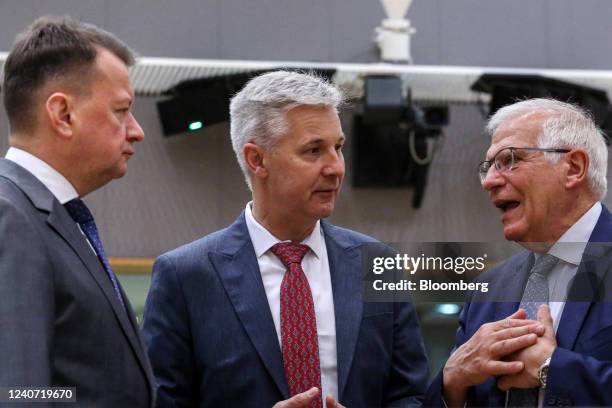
(78, 211)
(544, 264)
(289, 252)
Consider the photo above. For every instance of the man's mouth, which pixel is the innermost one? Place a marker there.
(506, 205)
(325, 190)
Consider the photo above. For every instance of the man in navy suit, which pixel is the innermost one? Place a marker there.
(269, 310)
(542, 335)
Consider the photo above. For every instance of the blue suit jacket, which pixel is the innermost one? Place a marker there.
(212, 341)
(580, 371)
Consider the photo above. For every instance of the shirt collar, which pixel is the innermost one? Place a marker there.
(59, 186)
(263, 239)
(570, 246)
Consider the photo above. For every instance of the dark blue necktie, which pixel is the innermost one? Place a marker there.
(82, 216)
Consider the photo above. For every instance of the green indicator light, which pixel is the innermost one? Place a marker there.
(195, 125)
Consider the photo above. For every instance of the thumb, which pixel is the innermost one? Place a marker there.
(299, 400)
(545, 318)
(330, 402)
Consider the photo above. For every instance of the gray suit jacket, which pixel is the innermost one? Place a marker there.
(61, 323)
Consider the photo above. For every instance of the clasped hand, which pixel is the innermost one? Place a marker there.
(532, 357)
(512, 349)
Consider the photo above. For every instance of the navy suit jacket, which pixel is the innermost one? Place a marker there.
(212, 340)
(580, 371)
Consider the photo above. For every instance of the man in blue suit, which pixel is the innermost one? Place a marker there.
(269, 310)
(542, 335)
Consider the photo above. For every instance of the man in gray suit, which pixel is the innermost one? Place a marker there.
(65, 320)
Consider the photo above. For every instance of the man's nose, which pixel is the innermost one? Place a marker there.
(334, 165)
(492, 179)
(134, 131)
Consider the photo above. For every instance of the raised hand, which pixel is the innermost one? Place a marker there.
(482, 356)
(532, 357)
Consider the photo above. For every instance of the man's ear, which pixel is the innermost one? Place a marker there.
(577, 168)
(254, 158)
(58, 110)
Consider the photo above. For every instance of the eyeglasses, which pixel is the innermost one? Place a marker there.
(506, 158)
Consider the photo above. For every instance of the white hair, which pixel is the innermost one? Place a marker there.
(257, 112)
(564, 126)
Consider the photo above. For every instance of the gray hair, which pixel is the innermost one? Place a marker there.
(565, 125)
(257, 112)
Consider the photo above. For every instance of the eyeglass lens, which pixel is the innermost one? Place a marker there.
(503, 160)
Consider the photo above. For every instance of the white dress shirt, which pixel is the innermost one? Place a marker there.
(59, 186)
(316, 269)
(569, 249)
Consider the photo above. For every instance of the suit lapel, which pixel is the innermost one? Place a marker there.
(237, 267)
(511, 286)
(344, 267)
(584, 290)
(569, 326)
(60, 221)
(603, 229)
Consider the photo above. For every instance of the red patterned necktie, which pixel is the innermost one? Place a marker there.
(298, 323)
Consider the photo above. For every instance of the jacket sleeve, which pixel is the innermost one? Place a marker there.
(579, 380)
(167, 335)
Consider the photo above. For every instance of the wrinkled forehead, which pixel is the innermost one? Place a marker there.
(520, 130)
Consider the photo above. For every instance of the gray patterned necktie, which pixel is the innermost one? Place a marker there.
(535, 294)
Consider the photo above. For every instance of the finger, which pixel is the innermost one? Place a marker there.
(299, 400)
(330, 402)
(536, 328)
(504, 347)
(508, 323)
(519, 314)
(545, 318)
(503, 367)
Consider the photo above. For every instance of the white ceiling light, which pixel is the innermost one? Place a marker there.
(393, 36)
